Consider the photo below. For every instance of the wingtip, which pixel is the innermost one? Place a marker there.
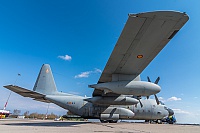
(5, 86)
(167, 13)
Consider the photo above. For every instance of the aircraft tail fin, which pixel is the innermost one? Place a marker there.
(45, 83)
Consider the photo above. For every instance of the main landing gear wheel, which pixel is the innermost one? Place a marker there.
(108, 121)
(159, 121)
(112, 121)
(104, 121)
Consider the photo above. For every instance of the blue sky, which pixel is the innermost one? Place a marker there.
(41, 31)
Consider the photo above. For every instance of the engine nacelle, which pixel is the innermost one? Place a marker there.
(121, 100)
(136, 88)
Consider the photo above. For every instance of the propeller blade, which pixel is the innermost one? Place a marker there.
(141, 103)
(157, 80)
(138, 98)
(148, 79)
(157, 101)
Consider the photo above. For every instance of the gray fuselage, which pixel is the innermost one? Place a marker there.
(78, 106)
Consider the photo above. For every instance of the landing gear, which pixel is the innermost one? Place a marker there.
(104, 121)
(159, 121)
(112, 121)
(148, 121)
(108, 121)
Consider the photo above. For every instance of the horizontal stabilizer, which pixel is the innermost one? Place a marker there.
(26, 93)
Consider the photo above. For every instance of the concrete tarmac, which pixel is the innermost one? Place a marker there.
(50, 126)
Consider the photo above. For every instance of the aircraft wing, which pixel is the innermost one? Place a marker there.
(143, 37)
(27, 93)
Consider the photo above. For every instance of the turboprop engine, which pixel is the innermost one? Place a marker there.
(136, 88)
(120, 100)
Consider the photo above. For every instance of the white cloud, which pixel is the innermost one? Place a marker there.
(179, 111)
(87, 73)
(83, 75)
(187, 117)
(160, 98)
(66, 57)
(97, 70)
(173, 99)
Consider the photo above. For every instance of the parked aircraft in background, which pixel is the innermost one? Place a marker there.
(117, 94)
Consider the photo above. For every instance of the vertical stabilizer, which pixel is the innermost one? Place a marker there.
(45, 82)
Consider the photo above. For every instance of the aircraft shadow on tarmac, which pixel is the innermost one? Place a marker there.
(48, 124)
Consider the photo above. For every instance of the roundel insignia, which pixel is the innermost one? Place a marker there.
(47, 71)
(140, 56)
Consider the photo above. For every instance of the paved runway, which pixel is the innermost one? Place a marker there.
(49, 126)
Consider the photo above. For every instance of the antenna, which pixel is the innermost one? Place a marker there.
(17, 78)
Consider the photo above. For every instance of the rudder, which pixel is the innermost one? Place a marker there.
(45, 83)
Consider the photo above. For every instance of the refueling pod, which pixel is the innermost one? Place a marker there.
(136, 88)
(114, 100)
(116, 113)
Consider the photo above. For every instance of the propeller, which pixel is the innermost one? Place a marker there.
(157, 101)
(156, 82)
(141, 103)
(139, 97)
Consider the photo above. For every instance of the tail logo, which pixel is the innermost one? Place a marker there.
(47, 70)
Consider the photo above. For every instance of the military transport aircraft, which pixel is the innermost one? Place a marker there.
(117, 94)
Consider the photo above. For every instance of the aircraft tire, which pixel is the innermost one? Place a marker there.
(159, 121)
(171, 122)
(112, 121)
(104, 121)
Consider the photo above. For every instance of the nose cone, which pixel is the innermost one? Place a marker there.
(157, 88)
(171, 112)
